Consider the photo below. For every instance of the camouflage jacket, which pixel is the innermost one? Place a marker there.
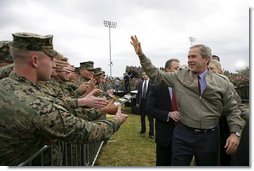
(77, 92)
(63, 94)
(5, 70)
(29, 119)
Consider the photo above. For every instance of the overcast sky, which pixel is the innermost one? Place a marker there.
(162, 26)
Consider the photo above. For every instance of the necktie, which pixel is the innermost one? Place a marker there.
(144, 90)
(174, 103)
(199, 86)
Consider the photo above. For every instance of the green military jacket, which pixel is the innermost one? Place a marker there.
(29, 120)
(199, 111)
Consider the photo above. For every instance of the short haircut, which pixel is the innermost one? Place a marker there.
(216, 57)
(169, 62)
(205, 51)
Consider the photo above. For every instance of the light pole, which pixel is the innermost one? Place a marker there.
(110, 24)
(192, 39)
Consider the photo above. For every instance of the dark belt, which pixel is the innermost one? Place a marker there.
(199, 130)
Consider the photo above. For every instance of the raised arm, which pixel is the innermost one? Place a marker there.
(137, 46)
(154, 73)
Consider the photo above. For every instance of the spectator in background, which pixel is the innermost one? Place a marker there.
(126, 79)
(117, 84)
(143, 89)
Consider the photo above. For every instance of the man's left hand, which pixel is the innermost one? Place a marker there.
(232, 144)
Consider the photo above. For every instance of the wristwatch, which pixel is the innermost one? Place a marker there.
(236, 133)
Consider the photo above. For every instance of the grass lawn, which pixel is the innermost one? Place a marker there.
(127, 147)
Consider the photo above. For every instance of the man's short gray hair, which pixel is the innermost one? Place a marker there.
(205, 51)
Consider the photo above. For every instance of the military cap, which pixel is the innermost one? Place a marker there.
(76, 69)
(5, 43)
(216, 57)
(34, 42)
(5, 51)
(97, 71)
(87, 65)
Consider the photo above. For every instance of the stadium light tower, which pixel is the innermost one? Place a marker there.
(192, 39)
(110, 24)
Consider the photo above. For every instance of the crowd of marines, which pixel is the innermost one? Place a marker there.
(45, 99)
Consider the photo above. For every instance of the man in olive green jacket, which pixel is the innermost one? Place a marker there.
(202, 97)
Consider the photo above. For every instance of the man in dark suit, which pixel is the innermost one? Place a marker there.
(143, 89)
(159, 105)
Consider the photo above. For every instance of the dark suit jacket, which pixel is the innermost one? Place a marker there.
(159, 105)
(139, 95)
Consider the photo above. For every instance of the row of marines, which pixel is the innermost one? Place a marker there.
(44, 101)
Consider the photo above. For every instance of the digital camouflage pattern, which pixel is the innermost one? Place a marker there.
(87, 65)
(29, 119)
(77, 92)
(34, 42)
(19, 137)
(6, 70)
(98, 71)
(57, 90)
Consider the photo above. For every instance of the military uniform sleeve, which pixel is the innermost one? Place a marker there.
(55, 122)
(71, 103)
(156, 74)
(89, 114)
(78, 92)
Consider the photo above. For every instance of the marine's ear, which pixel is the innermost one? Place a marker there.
(35, 61)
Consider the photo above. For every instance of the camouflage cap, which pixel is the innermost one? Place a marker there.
(34, 42)
(87, 65)
(97, 71)
(5, 43)
(76, 69)
(5, 55)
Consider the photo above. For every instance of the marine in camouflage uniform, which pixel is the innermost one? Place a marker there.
(57, 90)
(5, 56)
(5, 59)
(86, 70)
(6, 70)
(29, 119)
(98, 75)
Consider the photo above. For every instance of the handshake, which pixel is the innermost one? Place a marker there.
(115, 108)
(106, 107)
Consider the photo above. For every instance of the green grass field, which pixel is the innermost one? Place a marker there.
(127, 147)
